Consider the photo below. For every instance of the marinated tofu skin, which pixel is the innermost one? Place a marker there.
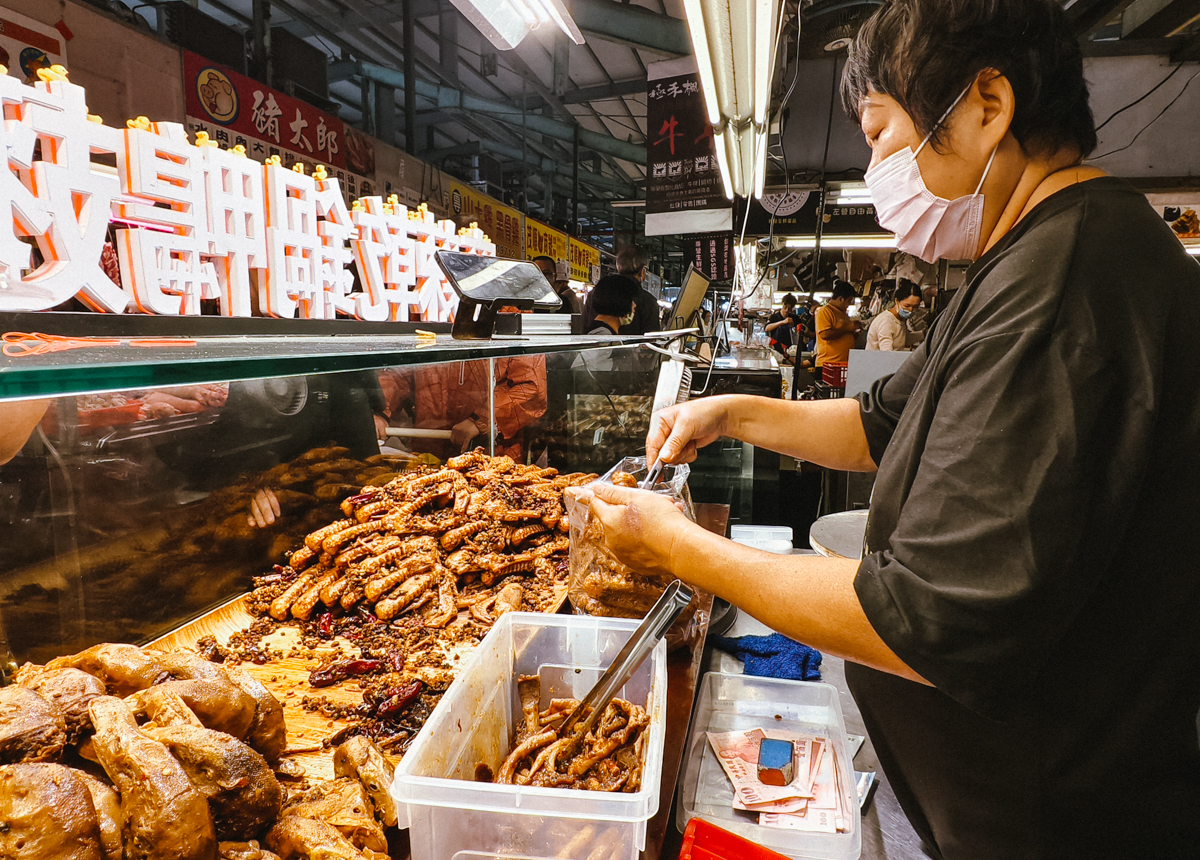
(166, 818)
(67, 690)
(295, 837)
(31, 729)
(344, 804)
(107, 804)
(359, 758)
(243, 794)
(124, 669)
(46, 813)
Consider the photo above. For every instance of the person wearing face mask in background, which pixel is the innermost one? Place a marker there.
(614, 303)
(1022, 632)
(889, 331)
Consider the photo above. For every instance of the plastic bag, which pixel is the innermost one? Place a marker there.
(601, 585)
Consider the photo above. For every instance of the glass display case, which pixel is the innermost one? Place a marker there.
(165, 473)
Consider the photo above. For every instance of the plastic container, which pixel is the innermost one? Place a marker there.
(760, 533)
(834, 373)
(451, 817)
(743, 702)
(704, 841)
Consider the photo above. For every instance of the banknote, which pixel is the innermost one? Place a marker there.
(738, 754)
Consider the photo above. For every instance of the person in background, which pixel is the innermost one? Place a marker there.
(454, 396)
(889, 330)
(570, 301)
(780, 327)
(614, 303)
(631, 261)
(18, 419)
(835, 329)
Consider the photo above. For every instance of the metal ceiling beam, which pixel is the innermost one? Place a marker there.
(1132, 47)
(1150, 19)
(1086, 15)
(637, 86)
(548, 164)
(447, 97)
(343, 20)
(632, 25)
(1187, 52)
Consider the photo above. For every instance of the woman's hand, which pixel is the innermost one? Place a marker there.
(678, 432)
(640, 527)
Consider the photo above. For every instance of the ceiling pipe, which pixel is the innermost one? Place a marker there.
(447, 97)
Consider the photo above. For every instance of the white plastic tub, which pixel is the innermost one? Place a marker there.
(451, 817)
(744, 702)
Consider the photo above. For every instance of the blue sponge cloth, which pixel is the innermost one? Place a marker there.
(774, 656)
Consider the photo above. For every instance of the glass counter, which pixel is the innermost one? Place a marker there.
(136, 505)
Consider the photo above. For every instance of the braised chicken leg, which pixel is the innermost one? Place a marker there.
(166, 818)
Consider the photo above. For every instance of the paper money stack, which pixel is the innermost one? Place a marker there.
(811, 802)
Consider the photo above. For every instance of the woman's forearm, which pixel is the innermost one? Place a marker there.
(826, 432)
(808, 598)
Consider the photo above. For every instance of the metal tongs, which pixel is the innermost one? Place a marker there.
(653, 627)
(652, 475)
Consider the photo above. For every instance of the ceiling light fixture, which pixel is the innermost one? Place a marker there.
(843, 243)
(735, 44)
(627, 204)
(506, 22)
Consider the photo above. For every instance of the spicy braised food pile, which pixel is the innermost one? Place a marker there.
(483, 533)
(609, 757)
(387, 599)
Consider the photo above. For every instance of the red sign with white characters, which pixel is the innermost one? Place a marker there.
(263, 116)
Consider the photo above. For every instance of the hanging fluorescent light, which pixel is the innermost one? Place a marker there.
(852, 194)
(734, 44)
(843, 243)
(506, 22)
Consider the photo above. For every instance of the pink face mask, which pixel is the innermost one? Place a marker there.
(926, 226)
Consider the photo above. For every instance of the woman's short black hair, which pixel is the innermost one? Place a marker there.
(924, 53)
(906, 289)
(843, 290)
(614, 295)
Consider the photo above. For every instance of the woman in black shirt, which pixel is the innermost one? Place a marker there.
(1024, 628)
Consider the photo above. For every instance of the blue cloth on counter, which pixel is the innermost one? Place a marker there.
(774, 656)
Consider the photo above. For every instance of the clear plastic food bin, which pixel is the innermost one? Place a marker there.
(744, 702)
(451, 817)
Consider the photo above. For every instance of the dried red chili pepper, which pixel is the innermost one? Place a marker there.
(341, 670)
(325, 625)
(402, 699)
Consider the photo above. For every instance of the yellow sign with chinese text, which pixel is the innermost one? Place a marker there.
(543, 240)
(502, 224)
(584, 259)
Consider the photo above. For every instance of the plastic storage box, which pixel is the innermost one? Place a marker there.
(732, 702)
(451, 817)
